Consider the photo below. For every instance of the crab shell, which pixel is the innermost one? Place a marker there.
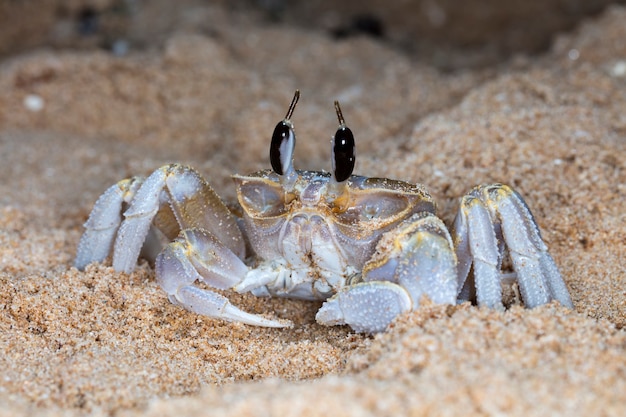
(325, 229)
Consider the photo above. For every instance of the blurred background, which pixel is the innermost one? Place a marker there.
(447, 34)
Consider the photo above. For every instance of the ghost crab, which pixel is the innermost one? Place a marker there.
(370, 247)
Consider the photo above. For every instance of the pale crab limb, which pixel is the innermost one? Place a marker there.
(475, 231)
(104, 221)
(415, 260)
(460, 235)
(367, 307)
(196, 255)
(193, 203)
(419, 256)
(537, 274)
(482, 212)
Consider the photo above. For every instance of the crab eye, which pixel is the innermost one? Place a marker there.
(284, 141)
(281, 148)
(343, 149)
(343, 154)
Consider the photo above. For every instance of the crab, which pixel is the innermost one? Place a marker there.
(370, 248)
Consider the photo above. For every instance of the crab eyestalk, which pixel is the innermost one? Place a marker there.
(343, 156)
(282, 146)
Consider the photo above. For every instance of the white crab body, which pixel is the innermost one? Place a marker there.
(310, 264)
(304, 252)
(371, 248)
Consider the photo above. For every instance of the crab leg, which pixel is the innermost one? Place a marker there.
(104, 221)
(191, 200)
(486, 210)
(529, 253)
(415, 260)
(196, 255)
(477, 243)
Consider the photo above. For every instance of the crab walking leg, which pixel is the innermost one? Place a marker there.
(415, 260)
(492, 212)
(460, 237)
(104, 221)
(196, 255)
(538, 276)
(191, 200)
(477, 243)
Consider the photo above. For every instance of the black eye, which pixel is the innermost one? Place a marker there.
(343, 149)
(281, 148)
(283, 142)
(343, 154)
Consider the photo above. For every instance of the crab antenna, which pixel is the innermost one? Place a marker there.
(292, 106)
(342, 122)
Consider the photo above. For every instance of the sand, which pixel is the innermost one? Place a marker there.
(104, 343)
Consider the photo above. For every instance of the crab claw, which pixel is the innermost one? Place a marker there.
(367, 307)
(196, 255)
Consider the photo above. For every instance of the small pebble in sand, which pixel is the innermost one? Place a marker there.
(619, 69)
(33, 102)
